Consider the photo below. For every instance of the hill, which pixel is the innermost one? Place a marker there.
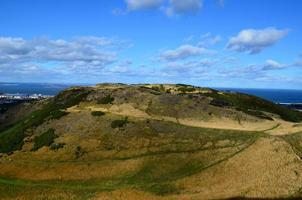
(116, 141)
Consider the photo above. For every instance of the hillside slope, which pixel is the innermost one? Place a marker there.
(115, 141)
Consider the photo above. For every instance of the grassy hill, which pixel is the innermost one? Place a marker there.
(116, 141)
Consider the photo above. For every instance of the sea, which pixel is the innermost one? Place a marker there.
(282, 96)
(33, 88)
(275, 95)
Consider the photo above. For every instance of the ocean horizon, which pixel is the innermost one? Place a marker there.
(290, 96)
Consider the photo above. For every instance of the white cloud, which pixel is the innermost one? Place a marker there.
(257, 71)
(169, 7)
(254, 41)
(209, 40)
(180, 7)
(273, 65)
(183, 52)
(188, 67)
(143, 4)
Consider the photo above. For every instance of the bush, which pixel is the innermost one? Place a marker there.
(106, 100)
(79, 152)
(186, 89)
(119, 123)
(161, 88)
(57, 114)
(220, 103)
(97, 113)
(155, 88)
(46, 139)
(56, 146)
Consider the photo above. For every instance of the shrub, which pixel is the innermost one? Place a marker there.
(97, 113)
(186, 89)
(155, 88)
(220, 103)
(57, 114)
(46, 139)
(79, 152)
(162, 88)
(106, 100)
(119, 123)
(56, 146)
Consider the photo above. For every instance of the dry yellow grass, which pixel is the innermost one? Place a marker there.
(267, 169)
(275, 127)
(285, 128)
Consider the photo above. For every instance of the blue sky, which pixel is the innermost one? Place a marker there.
(216, 43)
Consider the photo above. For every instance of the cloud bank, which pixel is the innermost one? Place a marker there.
(43, 56)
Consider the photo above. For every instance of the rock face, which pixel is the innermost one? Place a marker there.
(115, 141)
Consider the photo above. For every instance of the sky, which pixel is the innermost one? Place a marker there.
(211, 43)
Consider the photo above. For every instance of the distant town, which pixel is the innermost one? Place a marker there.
(17, 98)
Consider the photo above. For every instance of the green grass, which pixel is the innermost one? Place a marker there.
(46, 139)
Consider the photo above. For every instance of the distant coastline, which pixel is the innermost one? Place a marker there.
(280, 96)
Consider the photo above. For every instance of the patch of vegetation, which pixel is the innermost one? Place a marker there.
(162, 189)
(119, 123)
(106, 100)
(183, 85)
(46, 139)
(186, 89)
(220, 103)
(97, 113)
(155, 88)
(79, 152)
(11, 139)
(161, 88)
(57, 114)
(251, 105)
(57, 146)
